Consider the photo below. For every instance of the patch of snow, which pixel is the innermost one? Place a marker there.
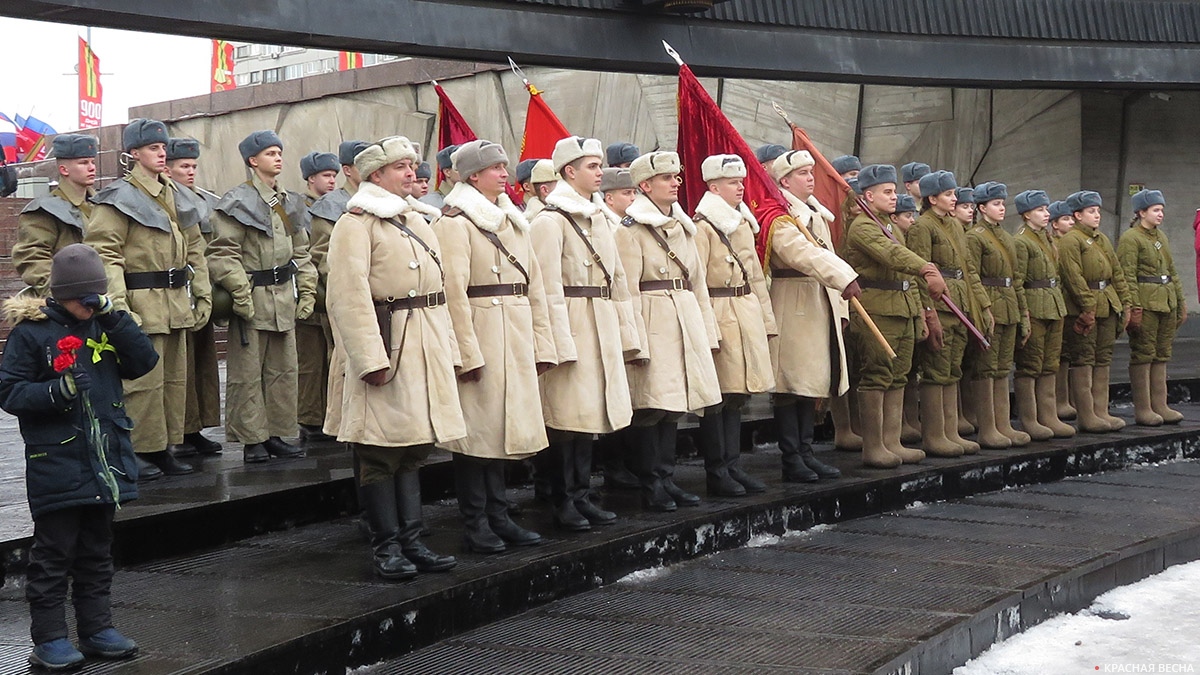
(641, 576)
(1146, 627)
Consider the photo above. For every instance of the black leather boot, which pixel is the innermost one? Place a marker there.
(618, 458)
(733, 451)
(712, 448)
(408, 509)
(789, 425)
(668, 435)
(379, 505)
(470, 484)
(278, 448)
(496, 507)
(582, 493)
(166, 462)
(559, 462)
(654, 495)
(808, 413)
(203, 444)
(147, 471)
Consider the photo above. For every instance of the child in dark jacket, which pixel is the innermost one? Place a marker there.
(61, 376)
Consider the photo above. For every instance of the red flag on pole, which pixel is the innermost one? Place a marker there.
(703, 131)
(90, 91)
(222, 67)
(542, 127)
(831, 189)
(454, 130)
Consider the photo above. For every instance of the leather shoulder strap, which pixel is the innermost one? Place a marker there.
(662, 242)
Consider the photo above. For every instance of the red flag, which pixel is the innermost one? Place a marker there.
(90, 91)
(703, 131)
(349, 60)
(831, 189)
(222, 67)
(454, 130)
(1196, 227)
(542, 128)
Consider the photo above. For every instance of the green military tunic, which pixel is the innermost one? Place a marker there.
(203, 374)
(312, 350)
(1092, 282)
(45, 228)
(941, 240)
(1149, 270)
(994, 255)
(888, 276)
(1037, 276)
(260, 390)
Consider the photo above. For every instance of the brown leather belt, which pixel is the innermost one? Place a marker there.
(1042, 283)
(1099, 285)
(423, 301)
(728, 292)
(948, 273)
(587, 292)
(1164, 279)
(787, 273)
(996, 282)
(675, 284)
(882, 285)
(493, 290)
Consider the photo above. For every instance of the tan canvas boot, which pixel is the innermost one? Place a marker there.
(844, 437)
(874, 454)
(910, 431)
(1062, 393)
(967, 419)
(1143, 410)
(1002, 409)
(1100, 398)
(1081, 394)
(1027, 409)
(950, 419)
(893, 420)
(933, 432)
(989, 436)
(1047, 407)
(1158, 394)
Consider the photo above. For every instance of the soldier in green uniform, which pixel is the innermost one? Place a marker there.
(939, 238)
(203, 375)
(1037, 356)
(1098, 301)
(319, 170)
(964, 213)
(912, 173)
(994, 255)
(887, 274)
(1158, 308)
(260, 256)
(1061, 222)
(146, 229)
(48, 224)
(847, 166)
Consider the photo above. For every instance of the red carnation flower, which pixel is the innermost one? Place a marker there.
(64, 362)
(69, 343)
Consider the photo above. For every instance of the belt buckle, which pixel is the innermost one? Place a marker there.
(171, 277)
(1103, 284)
(1008, 282)
(677, 284)
(517, 290)
(1053, 282)
(275, 280)
(605, 293)
(431, 300)
(904, 285)
(1166, 278)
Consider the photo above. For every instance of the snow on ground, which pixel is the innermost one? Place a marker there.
(1152, 626)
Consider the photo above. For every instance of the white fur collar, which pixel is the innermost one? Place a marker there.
(565, 197)
(644, 211)
(806, 209)
(613, 218)
(377, 201)
(723, 216)
(484, 214)
(423, 208)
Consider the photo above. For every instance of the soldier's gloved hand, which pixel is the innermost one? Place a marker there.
(377, 378)
(989, 321)
(202, 313)
(1182, 316)
(101, 304)
(936, 338)
(1085, 322)
(244, 309)
(305, 306)
(471, 375)
(544, 366)
(853, 290)
(1133, 320)
(934, 282)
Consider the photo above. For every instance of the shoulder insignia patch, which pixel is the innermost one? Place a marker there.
(451, 211)
(627, 221)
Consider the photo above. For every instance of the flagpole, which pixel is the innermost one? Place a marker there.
(866, 209)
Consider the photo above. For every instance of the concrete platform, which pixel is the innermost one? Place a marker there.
(304, 600)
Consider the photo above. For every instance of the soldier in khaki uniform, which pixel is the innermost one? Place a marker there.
(847, 166)
(993, 253)
(501, 319)
(888, 274)
(542, 179)
(400, 397)
(810, 289)
(146, 229)
(964, 213)
(737, 289)
(939, 238)
(912, 173)
(1037, 358)
(448, 178)
(1098, 300)
(203, 374)
(48, 224)
(1158, 308)
(1061, 222)
(319, 170)
(259, 256)
(674, 373)
(595, 331)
